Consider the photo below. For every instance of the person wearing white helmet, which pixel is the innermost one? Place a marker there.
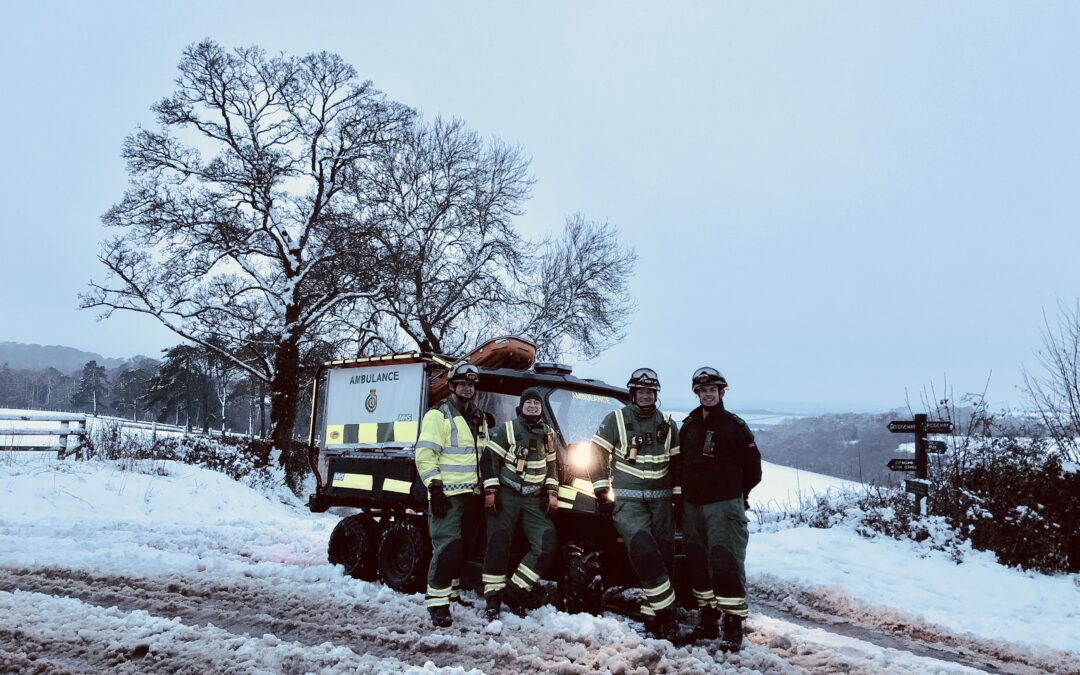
(452, 436)
(636, 445)
(718, 465)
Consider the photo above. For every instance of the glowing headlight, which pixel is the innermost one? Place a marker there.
(581, 456)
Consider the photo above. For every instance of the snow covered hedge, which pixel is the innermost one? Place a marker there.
(247, 460)
(1013, 496)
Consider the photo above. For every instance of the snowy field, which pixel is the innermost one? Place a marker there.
(157, 566)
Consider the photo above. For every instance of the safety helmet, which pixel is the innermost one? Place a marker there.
(463, 372)
(707, 375)
(644, 378)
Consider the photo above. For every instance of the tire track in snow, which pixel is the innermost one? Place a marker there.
(832, 609)
(372, 619)
(66, 635)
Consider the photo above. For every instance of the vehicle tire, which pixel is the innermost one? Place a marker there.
(353, 544)
(581, 586)
(404, 556)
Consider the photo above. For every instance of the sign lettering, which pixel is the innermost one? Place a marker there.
(936, 447)
(917, 487)
(897, 464)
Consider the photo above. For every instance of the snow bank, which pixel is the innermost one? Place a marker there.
(977, 596)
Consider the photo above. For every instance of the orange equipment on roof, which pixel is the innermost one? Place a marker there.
(503, 352)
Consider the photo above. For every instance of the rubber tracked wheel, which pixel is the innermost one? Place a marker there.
(581, 585)
(404, 557)
(353, 544)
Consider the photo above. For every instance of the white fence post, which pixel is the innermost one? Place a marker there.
(61, 452)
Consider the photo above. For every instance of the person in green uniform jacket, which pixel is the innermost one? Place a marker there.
(521, 488)
(636, 445)
(452, 436)
(718, 466)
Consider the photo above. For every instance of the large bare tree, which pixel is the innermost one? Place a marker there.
(577, 300)
(236, 231)
(446, 201)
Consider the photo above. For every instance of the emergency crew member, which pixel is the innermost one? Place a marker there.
(520, 487)
(636, 445)
(447, 459)
(718, 466)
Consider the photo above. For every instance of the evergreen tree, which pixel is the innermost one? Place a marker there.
(182, 388)
(131, 391)
(93, 388)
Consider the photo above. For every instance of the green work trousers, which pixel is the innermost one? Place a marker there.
(715, 537)
(451, 540)
(527, 512)
(647, 527)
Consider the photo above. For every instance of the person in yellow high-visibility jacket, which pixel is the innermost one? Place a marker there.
(452, 436)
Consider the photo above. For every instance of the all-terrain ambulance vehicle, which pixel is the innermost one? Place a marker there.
(365, 421)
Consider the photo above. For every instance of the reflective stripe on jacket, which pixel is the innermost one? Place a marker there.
(499, 461)
(447, 451)
(649, 472)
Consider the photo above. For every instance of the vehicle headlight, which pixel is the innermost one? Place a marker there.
(581, 456)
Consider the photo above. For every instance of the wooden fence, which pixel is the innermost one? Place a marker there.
(69, 428)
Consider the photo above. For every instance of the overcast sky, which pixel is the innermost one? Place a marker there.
(833, 203)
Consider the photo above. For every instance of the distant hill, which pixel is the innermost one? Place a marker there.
(65, 359)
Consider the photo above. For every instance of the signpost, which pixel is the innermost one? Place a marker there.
(897, 464)
(918, 488)
(936, 447)
(920, 426)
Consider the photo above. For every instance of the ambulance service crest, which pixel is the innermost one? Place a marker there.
(372, 401)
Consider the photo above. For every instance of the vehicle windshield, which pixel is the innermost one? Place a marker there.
(579, 414)
(503, 407)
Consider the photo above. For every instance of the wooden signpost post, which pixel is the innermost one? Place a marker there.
(920, 426)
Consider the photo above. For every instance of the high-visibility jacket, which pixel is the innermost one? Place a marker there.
(647, 477)
(448, 451)
(500, 459)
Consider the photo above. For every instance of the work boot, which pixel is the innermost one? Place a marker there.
(662, 626)
(494, 606)
(516, 599)
(731, 640)
(440, 616)
(708, 627)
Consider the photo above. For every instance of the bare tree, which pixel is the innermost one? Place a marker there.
(577, 300)
(1055, 392)
(445, 200)
(237, 232)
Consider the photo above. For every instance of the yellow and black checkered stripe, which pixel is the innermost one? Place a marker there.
(577, 496)
(372, 432)
(367, 482)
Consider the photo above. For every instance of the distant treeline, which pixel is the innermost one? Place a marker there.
(856, 446)
(189, 387)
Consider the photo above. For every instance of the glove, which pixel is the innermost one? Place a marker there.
(438, 501)
(604, 506)
(551, 503)
(491, 499)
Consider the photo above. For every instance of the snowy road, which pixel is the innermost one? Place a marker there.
(165, 568)
(63, 620)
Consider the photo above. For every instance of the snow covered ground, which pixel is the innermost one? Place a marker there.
(157, 566)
